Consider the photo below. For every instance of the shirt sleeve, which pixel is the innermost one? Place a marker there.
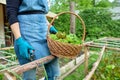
(12, 10)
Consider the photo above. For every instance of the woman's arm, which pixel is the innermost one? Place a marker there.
(15, 29)
(12, 11)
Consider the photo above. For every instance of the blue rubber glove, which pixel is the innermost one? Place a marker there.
(24, 47)
(53, 30)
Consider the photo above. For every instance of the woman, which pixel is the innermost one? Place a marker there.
(29, 25)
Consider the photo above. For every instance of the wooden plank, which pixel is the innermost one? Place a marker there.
(6, 48)
(81, 60)
(3, 70)
(104, 41)
(112, 38)
(71, 70)
(31, 65)
(96, 46)
(95, 65)
(78, 59)
(9, 76)
(108, 45)
(67, 67)
(102, 38)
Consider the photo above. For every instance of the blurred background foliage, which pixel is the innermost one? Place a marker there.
(96, 15)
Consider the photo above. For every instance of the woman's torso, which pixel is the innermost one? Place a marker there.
(35, 24)
(34, 5)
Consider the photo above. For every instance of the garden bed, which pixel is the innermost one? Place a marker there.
(9, 57)
(109, 68)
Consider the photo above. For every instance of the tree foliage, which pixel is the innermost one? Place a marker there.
(97, 19)
(104, 3)
(63, 5)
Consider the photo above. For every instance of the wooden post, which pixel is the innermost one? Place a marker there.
(72, 17)
(86, 59)
(95, 65)
(2, 36)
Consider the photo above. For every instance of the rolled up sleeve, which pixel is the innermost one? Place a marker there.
(12, 10)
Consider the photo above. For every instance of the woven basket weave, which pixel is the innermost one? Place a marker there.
(66, 50)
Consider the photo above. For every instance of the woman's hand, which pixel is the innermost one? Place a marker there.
(24, 47)
(53, 30)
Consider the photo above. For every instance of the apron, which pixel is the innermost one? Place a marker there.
(33, 29)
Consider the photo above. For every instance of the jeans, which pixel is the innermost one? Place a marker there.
(33, 29)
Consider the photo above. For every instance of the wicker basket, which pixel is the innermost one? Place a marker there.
(66, 50)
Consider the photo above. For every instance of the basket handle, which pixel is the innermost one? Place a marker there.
(83, 24)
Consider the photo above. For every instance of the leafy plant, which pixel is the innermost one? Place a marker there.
(1, 76)
(62, 37)
(109, 67)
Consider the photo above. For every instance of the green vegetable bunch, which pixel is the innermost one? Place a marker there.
(62, 37)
